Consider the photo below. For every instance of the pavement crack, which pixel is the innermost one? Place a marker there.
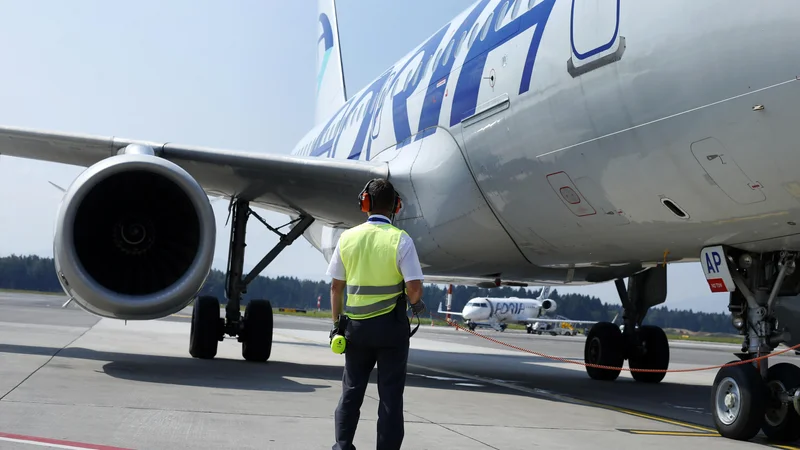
(148, 408)
(2, 398)
(430, 422)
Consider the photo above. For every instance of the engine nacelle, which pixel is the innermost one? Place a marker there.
(548, 305)
(134, 237)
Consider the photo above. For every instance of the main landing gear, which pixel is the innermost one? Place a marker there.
(254, 331)
(764, 307)
(645, 347)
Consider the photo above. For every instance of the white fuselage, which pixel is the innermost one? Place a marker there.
(582, 141)
(505, 309)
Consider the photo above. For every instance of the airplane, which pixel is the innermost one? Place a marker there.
(497, 313)
(568, 142)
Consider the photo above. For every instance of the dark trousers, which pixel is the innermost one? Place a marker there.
(383, 340)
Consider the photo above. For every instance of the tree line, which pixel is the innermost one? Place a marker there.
(35, 273)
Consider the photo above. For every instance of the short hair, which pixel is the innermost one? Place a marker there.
(382, 194)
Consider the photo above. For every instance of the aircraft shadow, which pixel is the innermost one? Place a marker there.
(278, 376)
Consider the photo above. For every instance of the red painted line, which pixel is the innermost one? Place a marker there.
(41, 440)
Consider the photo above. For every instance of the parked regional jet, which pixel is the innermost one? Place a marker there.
(532, 141)
(497, 313)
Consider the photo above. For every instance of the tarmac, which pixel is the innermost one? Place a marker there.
(71, 380)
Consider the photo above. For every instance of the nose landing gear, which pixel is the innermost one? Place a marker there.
(753, 396)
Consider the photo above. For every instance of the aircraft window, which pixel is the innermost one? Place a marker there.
(447, 51)
(501, 16)
(425, 65)
(460, 43)
(473, 34)
(515, 12)
(408, 81)
(532, 3)
(436, 62)
(417, 71)
(486, 24)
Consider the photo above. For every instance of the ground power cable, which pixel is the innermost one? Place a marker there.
(452, 323)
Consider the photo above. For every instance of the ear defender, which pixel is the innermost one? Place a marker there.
(364, 199)
(398, 203)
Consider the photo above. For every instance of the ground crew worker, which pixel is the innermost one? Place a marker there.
(375, 261)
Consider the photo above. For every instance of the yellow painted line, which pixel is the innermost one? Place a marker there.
(184, 316)
(674, 433)
(652, 417)
(787, 447)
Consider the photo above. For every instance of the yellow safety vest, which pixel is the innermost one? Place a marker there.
(374, 282)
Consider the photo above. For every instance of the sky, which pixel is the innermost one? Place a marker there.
(233, 75)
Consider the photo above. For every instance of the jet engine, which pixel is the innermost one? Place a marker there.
(548, 306)
(134, 237)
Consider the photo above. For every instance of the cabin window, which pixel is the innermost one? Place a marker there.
(417, 72)
(501, 16)
(532, 3)
(436, 62)
(460, 43)
(485, 29)
(515, 11)
(447, 52)
(473, 34)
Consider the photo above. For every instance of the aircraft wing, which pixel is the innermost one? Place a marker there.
(452, 313)
(324, 188)
(560, 321)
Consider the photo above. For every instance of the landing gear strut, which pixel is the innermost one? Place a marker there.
(754, 396)
(644, 346)
(254, 331)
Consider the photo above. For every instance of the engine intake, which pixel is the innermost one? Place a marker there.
(134, 238)
(549, 305)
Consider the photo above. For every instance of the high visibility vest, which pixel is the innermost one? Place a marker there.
(374, 282)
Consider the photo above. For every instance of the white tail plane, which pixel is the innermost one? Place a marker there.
(331, 92)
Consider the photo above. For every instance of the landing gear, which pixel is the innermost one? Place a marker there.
(753, 396)
(604, 346)
(644, 346)
(254, 331)
(738, 401)
(781, 418)
(207, 328)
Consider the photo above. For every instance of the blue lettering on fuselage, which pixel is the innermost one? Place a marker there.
(465, 98)
(513, 308)
(465, 95)
(432, 105)
(372, 107)
(402, 128)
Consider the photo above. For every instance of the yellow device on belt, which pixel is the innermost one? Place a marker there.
(339, 342)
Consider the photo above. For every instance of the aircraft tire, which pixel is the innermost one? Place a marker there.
(205, 331)
(656, 355)
(738, 402)
(781, 421)
(604, 347)
(258, 324)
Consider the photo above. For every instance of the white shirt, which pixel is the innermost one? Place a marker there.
(407, 259)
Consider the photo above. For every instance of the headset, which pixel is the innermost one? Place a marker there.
(365, 200)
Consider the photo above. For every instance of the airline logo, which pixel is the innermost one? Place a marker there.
(327, 39)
